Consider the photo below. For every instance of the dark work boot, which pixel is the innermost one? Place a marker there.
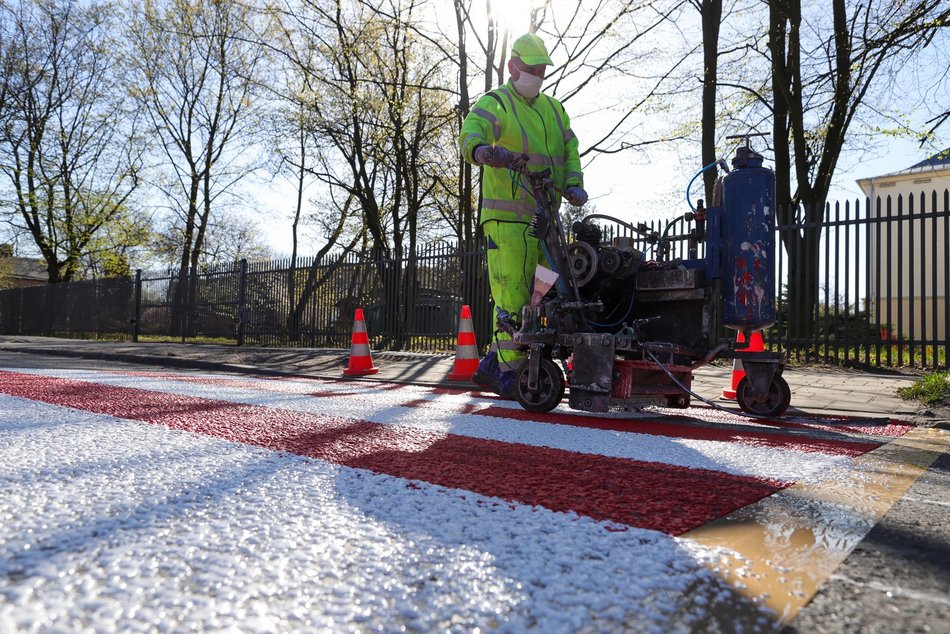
(506, 385)
(486, 375)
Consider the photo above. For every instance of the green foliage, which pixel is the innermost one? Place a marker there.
(848, 326)
(571, 214)
(109, 252)
(69, 157)
(842, 324)
(930, 390)
(6, 269)
(861, 355)
(115, 265)
(170, 339)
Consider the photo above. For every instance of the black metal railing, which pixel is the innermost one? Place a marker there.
(880, 276)
(874, 293)
(408, 303)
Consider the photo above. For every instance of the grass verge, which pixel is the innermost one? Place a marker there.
(931, 389)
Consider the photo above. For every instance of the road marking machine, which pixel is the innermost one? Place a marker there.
(626, 328)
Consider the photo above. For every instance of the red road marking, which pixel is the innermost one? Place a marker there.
(661, 426)
(647, 495)
(679, 430)
(892, 429)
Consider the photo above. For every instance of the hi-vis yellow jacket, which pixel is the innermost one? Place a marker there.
(540, 128)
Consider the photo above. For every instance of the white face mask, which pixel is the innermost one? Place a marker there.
(528, 85)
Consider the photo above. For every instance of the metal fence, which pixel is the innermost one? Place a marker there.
(883, 278)
(408, 303)
(882, 301)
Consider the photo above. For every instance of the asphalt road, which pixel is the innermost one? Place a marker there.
(896, 579)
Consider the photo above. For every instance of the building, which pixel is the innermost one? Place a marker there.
(18, 272)
(908, 240)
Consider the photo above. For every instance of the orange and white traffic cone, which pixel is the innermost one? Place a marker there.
(755, 345)
(466, 353)
(360, 360)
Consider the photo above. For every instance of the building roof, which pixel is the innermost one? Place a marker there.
(939, 161)
(936, 167)
(30, 268)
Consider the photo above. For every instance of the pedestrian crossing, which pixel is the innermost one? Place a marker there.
(664, 476)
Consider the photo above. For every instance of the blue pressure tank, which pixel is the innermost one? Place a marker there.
(748, 243)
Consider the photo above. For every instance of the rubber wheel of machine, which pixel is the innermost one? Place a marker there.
(775, 404)
(681, 402)
(550, 387)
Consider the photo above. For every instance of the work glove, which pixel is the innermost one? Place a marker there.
(576, 196)
(498, 156)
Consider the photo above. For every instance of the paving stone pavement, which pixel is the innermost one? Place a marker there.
(815, 391)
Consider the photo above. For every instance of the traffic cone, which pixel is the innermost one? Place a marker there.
(360, 360)
(466, 353)
(737, 372)
(755, 345)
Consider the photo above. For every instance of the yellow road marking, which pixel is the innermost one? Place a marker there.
(780, 550)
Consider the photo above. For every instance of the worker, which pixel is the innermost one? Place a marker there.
(511, 128)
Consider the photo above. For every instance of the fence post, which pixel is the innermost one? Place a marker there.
(137, 309)
(242, 300)
(187, 301)
(95, 295)
(21, 302)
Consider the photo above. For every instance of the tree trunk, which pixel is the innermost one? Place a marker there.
(802, 290)
(179, 302)
(711, 19)
(293, 323)
(466, 228)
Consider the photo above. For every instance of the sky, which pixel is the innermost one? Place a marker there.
(637, 186)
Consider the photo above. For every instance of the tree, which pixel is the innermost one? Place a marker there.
(196, 66)
(6, 264)
(465, 221)
(610, 47)
(67, 136)
(313, 140)
(300, 151)
(233, 237)
(611, 44)
(822, 77)
(230, 237)
(371, 97)
(937, 121)
(711, 17)
(111, 252)
(326, 48)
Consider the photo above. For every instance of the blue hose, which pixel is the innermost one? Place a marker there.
(690, 186)
(561, 282)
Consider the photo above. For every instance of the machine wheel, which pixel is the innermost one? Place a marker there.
(681, 401)
(550, 387)
(774, 404)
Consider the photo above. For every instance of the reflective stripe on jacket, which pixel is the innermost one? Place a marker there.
(541, 129)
